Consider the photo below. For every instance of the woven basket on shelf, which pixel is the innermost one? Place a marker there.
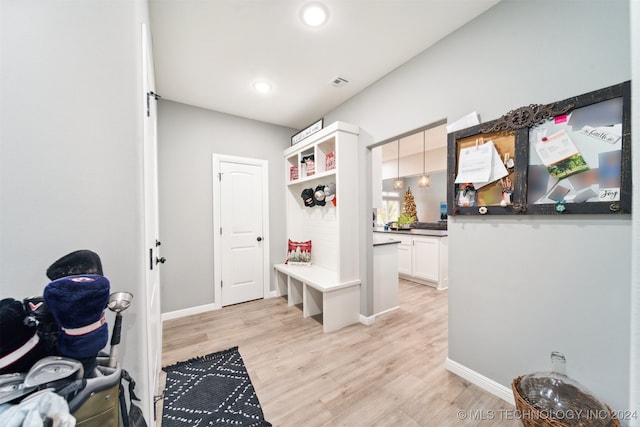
(532, 417)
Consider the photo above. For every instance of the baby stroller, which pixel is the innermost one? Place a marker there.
(62, 359)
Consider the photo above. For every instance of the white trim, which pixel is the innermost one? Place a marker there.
(217, 289)
(370, 320)
(634, 353)
(217, 262)
(321, 134)
(367, 320)
(272, 294)
(481, 381)
(188, 311)
(389, 310)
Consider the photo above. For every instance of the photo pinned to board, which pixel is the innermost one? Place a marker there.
(576, 158)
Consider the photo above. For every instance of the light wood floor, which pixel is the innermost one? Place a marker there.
(390, 373)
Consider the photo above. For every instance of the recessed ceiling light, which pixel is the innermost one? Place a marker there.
(314, 14)
(262, 86)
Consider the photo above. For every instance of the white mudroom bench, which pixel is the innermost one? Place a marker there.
(319, 291)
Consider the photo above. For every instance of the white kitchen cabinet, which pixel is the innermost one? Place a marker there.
(404, 254)
(423, 259)
(426, 258)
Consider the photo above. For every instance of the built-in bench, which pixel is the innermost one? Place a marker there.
(319, 291)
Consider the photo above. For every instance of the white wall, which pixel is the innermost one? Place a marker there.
(71, 150)
(634, 375)
(187, 137)
(522, 287)
(435, 160)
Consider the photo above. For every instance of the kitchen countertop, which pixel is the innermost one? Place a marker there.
(412, 231)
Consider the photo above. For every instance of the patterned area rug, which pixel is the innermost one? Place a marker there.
(213, 390)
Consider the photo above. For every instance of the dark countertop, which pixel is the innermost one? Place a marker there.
(440, 225)
(413, 231)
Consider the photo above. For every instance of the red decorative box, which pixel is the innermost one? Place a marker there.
(330, 161)
(311, 167)
(293, 173)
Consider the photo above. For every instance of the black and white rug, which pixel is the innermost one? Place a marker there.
(212, 390)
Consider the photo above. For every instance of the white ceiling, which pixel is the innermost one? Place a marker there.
(208, 53)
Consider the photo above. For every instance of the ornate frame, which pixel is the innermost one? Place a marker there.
(520, 123)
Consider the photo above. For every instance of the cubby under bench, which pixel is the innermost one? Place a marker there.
(319, 291)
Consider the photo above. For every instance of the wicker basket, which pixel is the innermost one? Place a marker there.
(532, 417)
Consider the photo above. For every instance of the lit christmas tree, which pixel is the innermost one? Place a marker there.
(409, 205)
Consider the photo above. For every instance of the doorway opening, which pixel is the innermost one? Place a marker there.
(405, 159)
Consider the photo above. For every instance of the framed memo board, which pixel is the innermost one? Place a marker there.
(469, 196)
(571, 156)
(580, 162)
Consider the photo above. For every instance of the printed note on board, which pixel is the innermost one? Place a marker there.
(498, 170)
(560, 155)
(474, 164)
(480, 165)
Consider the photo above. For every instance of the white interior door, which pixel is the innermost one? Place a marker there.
(151, 297)
(242, 235)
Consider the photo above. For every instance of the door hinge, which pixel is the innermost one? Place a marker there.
(221, 284)
(149, 96)
(221, 231)
(156, 398)
(219, 176)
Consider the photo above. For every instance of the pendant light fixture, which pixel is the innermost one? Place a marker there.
(398, 183)
(424, 181)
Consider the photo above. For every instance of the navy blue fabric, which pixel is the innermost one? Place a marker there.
(75, 302)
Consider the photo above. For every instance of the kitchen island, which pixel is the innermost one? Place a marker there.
(423, 254)
(385, 273)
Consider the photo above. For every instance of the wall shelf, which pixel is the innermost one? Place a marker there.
(332, 229)
(317, 176)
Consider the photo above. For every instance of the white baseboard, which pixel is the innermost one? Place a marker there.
(189, 311)
(272, 294)
(487, 384)
(370, 320)
(204, 308)
(367, 320)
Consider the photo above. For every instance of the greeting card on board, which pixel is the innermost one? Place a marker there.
(560, 155)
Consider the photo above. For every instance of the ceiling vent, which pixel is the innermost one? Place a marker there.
(339, 81)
